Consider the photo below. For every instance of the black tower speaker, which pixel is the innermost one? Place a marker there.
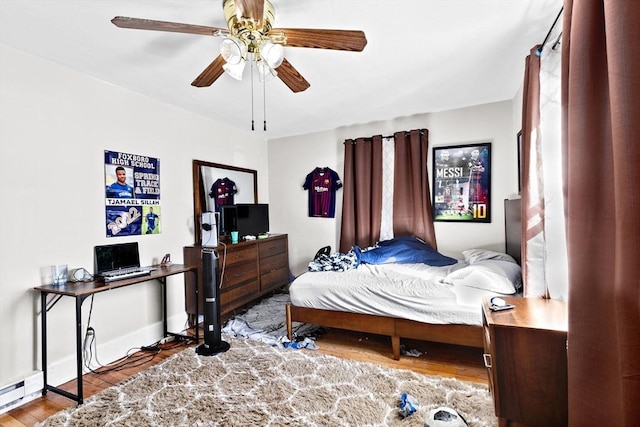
(213, 343)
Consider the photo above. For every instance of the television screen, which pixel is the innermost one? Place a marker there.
(252, 219)
(228, 220)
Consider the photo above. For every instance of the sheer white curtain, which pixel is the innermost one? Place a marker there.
(545, 249)
(555, 254)
(388, 159)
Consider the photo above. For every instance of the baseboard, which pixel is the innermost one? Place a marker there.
(23, 390)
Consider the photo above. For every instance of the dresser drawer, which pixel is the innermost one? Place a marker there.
(274, 279)
(232, 298)
(272, 246)
(274, 262)
(236, 274)
(236, 255)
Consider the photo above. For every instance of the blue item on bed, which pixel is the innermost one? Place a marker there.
(403, 250)
(400, 250)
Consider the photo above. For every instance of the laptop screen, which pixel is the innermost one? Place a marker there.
(114, 257)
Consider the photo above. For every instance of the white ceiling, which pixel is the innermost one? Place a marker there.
(422, 56)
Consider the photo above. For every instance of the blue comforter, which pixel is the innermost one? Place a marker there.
(401, 250)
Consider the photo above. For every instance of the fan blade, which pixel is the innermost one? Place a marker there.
(210, 74)
(253, 9)
(353, 40)
(173, 27)
(291, 77)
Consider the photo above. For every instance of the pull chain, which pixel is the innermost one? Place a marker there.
(252, 121)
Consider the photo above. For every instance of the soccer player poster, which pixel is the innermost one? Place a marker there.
(132, 194)
(461, 183)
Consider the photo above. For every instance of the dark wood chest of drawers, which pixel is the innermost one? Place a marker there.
(526, 359)
(246, 271)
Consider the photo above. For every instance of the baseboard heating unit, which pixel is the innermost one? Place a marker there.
(16, 393)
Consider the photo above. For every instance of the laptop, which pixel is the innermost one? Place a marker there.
(118, 261)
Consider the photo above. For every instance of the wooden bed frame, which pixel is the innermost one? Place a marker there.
(396, 328)
(467, 335)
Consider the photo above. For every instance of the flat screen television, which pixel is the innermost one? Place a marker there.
(252, 219)
(227, 220)
(245, 218)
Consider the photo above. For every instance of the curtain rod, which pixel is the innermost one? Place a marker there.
(381, 136)
(406, 131)
(539, 50)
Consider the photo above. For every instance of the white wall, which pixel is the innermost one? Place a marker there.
(290, 159)
(54, 127)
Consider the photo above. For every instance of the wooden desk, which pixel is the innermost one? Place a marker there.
(81, 291)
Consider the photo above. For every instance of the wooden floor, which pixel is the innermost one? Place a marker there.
(437, 359)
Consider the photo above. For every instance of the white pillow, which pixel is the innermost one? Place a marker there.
(475, 255)
(471, 297)
(493, 275)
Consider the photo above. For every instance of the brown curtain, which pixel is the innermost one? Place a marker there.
(601, 147)
(362, 194)
(412, 209)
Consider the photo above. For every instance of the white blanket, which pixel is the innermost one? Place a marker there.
(410, 291)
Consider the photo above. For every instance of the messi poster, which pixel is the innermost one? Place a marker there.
(461, 183)
(132, 194)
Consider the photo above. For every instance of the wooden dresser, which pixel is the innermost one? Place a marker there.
(246, 271)
(526, 359)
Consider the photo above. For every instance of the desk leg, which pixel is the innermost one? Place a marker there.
(43, 323)
(79, 347)
(47, 387)
(165, 328)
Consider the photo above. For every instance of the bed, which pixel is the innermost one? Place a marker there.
(432, 300)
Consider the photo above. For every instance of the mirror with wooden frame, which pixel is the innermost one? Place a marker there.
(205, 174)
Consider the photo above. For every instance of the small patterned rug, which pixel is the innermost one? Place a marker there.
(266, 322)
(255, 384)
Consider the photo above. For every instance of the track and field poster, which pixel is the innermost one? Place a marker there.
(132, 194)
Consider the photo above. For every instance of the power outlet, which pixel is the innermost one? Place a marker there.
(167, 339)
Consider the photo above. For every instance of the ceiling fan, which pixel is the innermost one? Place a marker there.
(250, 36)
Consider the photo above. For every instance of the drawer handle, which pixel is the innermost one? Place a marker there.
(487, 360)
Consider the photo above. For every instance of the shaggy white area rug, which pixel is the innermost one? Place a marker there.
(255, 384)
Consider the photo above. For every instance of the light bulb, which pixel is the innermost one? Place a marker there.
(233, 50)
(272, 53)
(235, 70)
(265, 72)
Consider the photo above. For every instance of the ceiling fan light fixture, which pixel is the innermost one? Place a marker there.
(265, 72)
(250, 30)
(233, 50)
(272, 53)
(234, 70)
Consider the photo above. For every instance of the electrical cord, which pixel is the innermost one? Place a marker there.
(134, 357)
(224, 263)
(148, 352)
(89, 338)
